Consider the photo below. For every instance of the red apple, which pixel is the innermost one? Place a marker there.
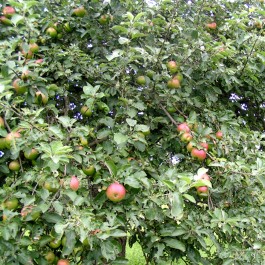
(115, 192)
(63, 262)
(183, 127)
(74, 183)
(219, 135)
(186, 137)
(199, 154)
(202, 191)
(9, 11)
(205, 146)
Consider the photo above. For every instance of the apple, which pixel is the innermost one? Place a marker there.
(34, 47)
(63, 262)
(79, 12)
(2, 123)
(186, 137)
(172, 67)
(173, 83)
(10, 138)
(202, 191)
(140, 80)
(39, 61)
(50, 257)
(205, 146)
(183, 127)
(211, 25)
(83, 141)
(74, 183)
(25, 75)
(5, 21)
(219, 135)
(189, 147)
(89, 171)
(31, 154)
(115, 192)
(19, 86)
(14, 165)
(8, 11)
(199, 154)
(2, 143)
(51, 186)
(85, 111)
(41, 97)
(55, 243)
(52, 32)
(28, 54)
(103, 20)
(29, 210)
(67, 27)
(204, 177)
(11, 204)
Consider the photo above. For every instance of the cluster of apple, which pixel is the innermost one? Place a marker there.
(203, 191)
(198, 152)
(8, 12)
(177, 77)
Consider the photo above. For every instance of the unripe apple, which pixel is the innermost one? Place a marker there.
(189, 147)
(199, 154)
(183, 127)
(85, 111)
(5, 21)
(186, 137)
(219, 135)
(31, 154)
(172, 67)
(34, 47)
(14, 165)
(10, 138)
(115, 192)
(104, 19)
(19, 86)
(25, 75)
(173, 83)
(79, 12)
(140, 80)
(52, 32)
(74, 183)
(11, 204)
(43, 97)
(28, 54)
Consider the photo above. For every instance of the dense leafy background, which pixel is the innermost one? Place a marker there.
(132, 131)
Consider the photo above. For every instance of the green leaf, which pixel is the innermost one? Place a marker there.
(115, 54)
(177, 204)
(90, 90)
(131, 122)
(52, 218)
(111, 167)
(189, 197)
(123, 40)
(118, 233)
(120, 138)
(70, 242)
(66, 121)
(176, 244)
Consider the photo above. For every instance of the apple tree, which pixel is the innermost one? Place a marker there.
(132, 121)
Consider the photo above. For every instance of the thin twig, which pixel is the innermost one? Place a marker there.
(169, 116)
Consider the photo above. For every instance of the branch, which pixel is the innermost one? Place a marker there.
(169, 116)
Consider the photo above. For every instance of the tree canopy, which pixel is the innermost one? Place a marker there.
(165, 98)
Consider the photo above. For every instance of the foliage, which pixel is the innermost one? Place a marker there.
(94, 61)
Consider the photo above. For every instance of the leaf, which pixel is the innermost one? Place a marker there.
(118, 233)
(115, 54)
(120, 138)
(111, 167)
(66, 121)
(189, 197)
(90, 90)
(52, 218)
(123, 40)
(176, 244)
(132, 181)
(262, 180)
(142, 128)
(131, 122)
(70, 242)
(138, 16)
(176, 204)
(56, 131)
(129, 15)
(16, 19)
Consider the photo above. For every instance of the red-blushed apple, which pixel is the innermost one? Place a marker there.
(63, 262)
(172, 67)
(219, 135)
(116, 192)
(79, 11)
(202, 191)
(74, 183)
(183, 127)
(186, 137)
(199, 154)
(211, 25)
(9, 11)
(34, 47)
(173, 83)
(205, 146)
